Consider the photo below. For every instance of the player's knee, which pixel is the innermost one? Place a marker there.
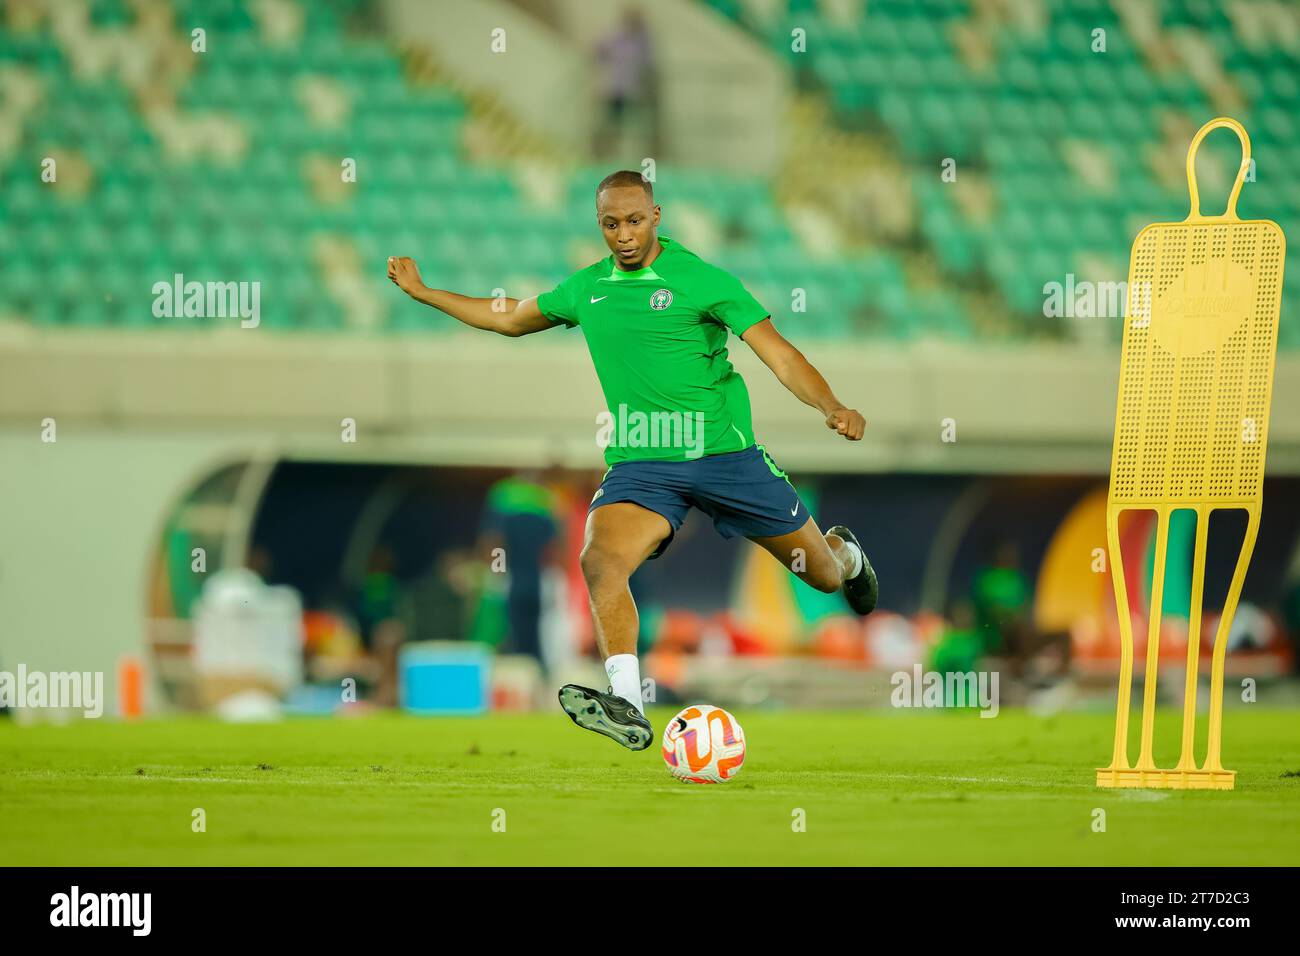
(601, 568)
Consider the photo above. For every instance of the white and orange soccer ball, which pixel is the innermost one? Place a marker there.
(704, 744)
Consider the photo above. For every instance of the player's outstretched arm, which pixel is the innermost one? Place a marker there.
(511, 317)
(806, 383)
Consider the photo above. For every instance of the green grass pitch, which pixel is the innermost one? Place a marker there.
(875, 788)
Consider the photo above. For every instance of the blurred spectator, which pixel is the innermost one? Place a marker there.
(959, 646)
(377, 608)
(438, 604)
(1289, 609)
(520, 536)
(375, 604)
(1001, 598)
(628, 88)
(260, 562)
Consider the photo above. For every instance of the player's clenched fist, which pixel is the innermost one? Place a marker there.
(848, 422)
(402, 270)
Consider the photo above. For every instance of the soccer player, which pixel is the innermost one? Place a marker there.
(656, 318)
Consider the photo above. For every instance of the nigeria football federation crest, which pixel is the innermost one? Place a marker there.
(661, 300)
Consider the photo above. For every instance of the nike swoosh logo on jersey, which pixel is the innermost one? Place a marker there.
(594, 300)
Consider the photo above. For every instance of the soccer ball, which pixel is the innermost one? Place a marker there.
(704, 744)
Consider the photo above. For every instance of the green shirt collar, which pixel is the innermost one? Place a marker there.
(647, 272)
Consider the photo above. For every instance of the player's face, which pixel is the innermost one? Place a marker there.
(627, 220)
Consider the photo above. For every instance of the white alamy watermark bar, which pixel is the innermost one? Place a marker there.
(918, 688)
(61, 690)
(208, 300)
(1086, 299)
(630, 428)
(133, 911)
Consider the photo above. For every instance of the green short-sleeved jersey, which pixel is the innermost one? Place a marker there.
(658, 339)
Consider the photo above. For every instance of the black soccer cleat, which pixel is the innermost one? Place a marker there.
(863, 590)
(606, 714)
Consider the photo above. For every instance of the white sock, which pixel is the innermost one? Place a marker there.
(857, 560)
(625, 677)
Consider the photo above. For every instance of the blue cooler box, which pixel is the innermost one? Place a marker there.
(444, 677)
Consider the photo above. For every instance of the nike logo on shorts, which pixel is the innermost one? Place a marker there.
(594, 300)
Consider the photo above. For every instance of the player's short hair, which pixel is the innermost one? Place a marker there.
(626, 177)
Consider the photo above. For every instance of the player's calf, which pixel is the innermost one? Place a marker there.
(823, 570)
(818, 560)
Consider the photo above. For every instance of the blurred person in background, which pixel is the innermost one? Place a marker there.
(437, 606)
(1001, 599)
(960, 646)
(520, 538)
(1289, 610)
(377, 607)
(625, 61)
(260, 562)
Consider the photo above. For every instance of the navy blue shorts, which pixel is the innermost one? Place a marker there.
(744, 492)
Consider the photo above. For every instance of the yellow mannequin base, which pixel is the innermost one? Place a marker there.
(1168, 779)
